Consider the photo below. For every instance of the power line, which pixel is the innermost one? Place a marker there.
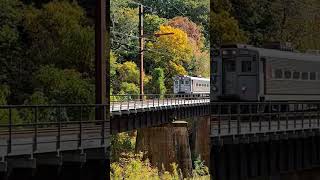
(176, 8)
(144, 49)
(136, 37)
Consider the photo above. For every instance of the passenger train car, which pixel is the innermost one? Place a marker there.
(190, 85)
(247, 73)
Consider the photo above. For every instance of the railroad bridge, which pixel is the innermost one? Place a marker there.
(246, 142)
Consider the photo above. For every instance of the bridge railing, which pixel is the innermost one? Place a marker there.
(236, 118)
(38, 125)
(134, 101)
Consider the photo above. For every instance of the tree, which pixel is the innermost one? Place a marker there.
(15, 67)
(129, 88)
(201, 59)
(128, 72)
(113, 69)
(197, 11)
(152, 23)
(4, 113)
(156, 84)
(124, 31)
(225, 29)
(173, 53)
(295, 22)
(59, 34)
(64, 86)
(193, 30)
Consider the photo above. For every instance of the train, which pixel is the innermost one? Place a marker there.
(241, 72)
(191, 85)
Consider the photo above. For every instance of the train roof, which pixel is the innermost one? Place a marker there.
(278, 53)
(195, 78)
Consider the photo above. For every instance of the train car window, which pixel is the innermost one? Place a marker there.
(230, 66)
(244, 52)
(181, 82)
(246, 66)
(296, 75)
(278, 73)
(187, 82)
(305, 76)
(312, 76)
(287, 74)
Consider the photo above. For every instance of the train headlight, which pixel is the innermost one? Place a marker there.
(214, 88)
(224, 52)
(234, 52)
(243, 88)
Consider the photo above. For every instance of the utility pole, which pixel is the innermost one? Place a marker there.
(102, 79)
(100, 58)
(141, 49)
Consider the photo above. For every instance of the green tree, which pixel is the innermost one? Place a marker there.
(4, 113)
(128, 72)
(156, 84)
(60, 35)
(129, 88)
(173, 53)
(225, 29)
(124, 32)
(255, 17)
(152, 23)
(197, 11)
(64, 86)
(15, 67)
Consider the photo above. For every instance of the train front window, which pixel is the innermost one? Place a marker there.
(246, 66)
(305, 76)
(278, 73)
(181, 82)
(287, 74)
(296, 75)
(312, 76)
(230, 66)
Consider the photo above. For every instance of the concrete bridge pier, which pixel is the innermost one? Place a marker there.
(165, 145)
(199, 138)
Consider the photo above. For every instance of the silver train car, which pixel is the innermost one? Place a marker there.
(247, 73)
(190, 85)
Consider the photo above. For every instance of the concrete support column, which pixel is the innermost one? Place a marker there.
(263, 159)
(233, 162)
(283, 156)
(298, 154)
(273, 158)
(221, 164)
(253, 160)
(291, 155)
(165, 145)
(243, 162)
(200, 139)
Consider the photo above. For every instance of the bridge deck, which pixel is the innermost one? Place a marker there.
(117, 107)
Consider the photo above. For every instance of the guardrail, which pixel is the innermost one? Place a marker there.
(51, 128)
(238, 118)
(128, 102)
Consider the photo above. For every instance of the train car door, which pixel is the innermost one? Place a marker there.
(230, 77)
(248, 77)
